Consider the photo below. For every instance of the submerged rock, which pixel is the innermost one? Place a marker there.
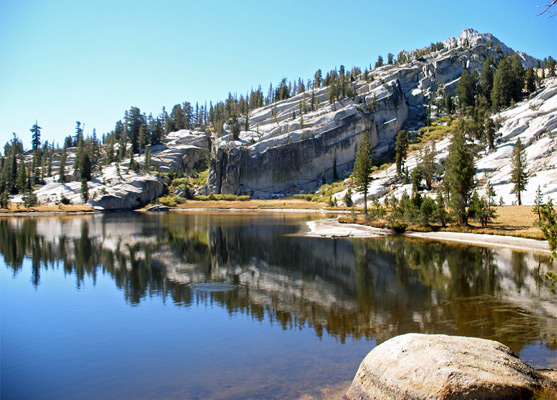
(419, 366)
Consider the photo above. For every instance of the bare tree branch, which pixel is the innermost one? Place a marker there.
(547, 7)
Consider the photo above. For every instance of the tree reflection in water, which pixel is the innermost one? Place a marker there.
(374, 288)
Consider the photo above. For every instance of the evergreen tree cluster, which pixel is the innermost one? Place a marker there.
(500, 84)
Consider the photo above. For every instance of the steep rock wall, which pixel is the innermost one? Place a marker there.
(296, 161)
(290, 167)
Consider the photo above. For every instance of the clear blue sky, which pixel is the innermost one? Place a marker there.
(65, 60)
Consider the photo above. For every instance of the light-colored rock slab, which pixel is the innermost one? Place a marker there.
(418, 366)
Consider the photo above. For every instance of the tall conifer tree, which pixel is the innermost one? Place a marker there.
(362, 168)
(519, 174)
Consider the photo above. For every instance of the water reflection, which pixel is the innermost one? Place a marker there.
(375, 288)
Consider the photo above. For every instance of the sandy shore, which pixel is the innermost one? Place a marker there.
(485, 240)
(334, 229)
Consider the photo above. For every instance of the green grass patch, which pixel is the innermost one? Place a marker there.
(171, 201)
(303, 196)
(201, 178)
(180, 181)
(222, 197)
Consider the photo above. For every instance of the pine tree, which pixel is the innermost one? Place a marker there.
(491, 194)
(489, 127)
(84, 191)
(21, 177)
(62, 167)
(348, 198)
(36, 136)
(538, 204)
(4, 199)
(549, 226)
(517, 81)
(147, 159)
(142, 138)
(459, 173)
(109, 151)
(427, 164)
(467, 89)
(317, 78)
(401, 148)
(85, 168)
(502, 92)
(440, 213)
(362, 168)
(530, 80)
(390, 57)
(332, 92)
(550, 65)
(486, 80)
(519, 175)
(448, 103)
(234, 127)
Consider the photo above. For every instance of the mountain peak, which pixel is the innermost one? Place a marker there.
(472, 37)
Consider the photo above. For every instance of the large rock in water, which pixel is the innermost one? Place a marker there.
(418, 366)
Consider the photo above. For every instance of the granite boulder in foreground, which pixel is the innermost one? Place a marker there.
(419, 366)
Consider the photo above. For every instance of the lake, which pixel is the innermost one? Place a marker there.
(238, 306)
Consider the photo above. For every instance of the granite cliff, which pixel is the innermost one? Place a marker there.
(292, 146)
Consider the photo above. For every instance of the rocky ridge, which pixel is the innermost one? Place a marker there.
(285, 151)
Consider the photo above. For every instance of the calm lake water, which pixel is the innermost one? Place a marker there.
(235, 306)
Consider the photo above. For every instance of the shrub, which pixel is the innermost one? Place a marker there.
(65, 201)
(303, 196)
(168, 201)
(180, 181)
(29, 199)
(348, 198)
(4, 200)
(398, 227)
(201, 178)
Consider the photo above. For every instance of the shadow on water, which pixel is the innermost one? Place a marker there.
(372, 289)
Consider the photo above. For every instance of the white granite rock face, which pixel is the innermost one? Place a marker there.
(119, 187)
(286, 152)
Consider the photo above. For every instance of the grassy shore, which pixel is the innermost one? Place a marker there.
(70, 208)
(283, 204)
(515, 221)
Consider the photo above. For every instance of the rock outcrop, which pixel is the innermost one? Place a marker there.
(417, 366)
(118, 187)
(291, 146)
(533, 121)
